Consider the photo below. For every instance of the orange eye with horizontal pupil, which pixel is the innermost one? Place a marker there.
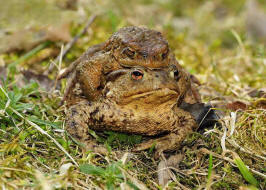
(137, 75)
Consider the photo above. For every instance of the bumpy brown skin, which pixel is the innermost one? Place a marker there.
(105, 91)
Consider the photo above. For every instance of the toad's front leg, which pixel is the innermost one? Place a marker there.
(185, 124)
(77, 119)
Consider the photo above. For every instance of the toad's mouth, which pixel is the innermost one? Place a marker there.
(155, 97)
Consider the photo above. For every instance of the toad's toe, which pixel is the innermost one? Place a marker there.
(94, 147)
(144, 146)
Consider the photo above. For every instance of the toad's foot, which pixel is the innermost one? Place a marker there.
(171, 142)
(76, 125)
(94, 147)
(162, 144)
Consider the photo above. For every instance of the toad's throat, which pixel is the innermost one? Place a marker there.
(137, 118)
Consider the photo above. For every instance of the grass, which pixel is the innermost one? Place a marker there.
(245, 172)
(37, 153)
(209, 178)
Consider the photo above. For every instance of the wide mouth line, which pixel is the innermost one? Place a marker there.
(151, 92)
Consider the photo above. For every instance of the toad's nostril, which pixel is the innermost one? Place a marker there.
(144, 54)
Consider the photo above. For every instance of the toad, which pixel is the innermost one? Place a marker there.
(132, 84)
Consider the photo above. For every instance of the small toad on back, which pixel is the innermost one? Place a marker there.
(132, 83)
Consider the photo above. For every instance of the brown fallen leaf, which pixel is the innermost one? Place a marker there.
(164, 172)
(45, 82)
(259, 93)
(236, 105)
(25, 76)
(43, 21)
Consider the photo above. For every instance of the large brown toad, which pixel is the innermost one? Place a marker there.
(133, 84)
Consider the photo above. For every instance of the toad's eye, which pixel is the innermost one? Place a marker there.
(129, 52)
(175, 74)
(137, 75)
(164, 55)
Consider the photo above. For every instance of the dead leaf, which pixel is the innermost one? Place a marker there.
(43, 21)
(26, 75)
(237, 105)
(164, 172)
(259, 93)
(46, 83)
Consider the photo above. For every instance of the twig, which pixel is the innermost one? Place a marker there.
(59, 67)
(71, 43)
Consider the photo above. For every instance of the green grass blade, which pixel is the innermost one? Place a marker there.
(209, 178)
(29, 54)
(92, 170)
(245, 172)
(210, 167)
(55, 125)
